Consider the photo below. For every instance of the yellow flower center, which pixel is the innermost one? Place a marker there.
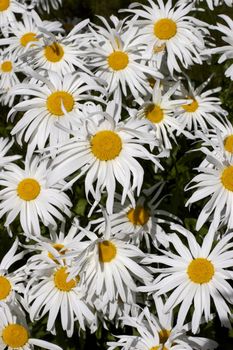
(160, 48)
(6, 66)
(165, 29)
(56, 100)
(4, 4)
(164, 335)
(27, 38)
(191, 107)
(118, 60)
(28, 189)
(200, 270)
(60, 280)
(138, 216)
(228, 143)
(227, 178)
(5, 287)
(107, 251)
(58, 248)
(158, 347)
(106, 145)
(54, 52)
(154, 113)
(15, 336)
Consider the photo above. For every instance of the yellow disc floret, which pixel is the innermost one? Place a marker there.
(106, 145)
(118, 60)
(4, 4)
(227, 178)
(139, 216)
(27, 38)
(191, 107)
(228, 143)
(54, 52)
(15, 336)
(28, 189)
(200, 270)
(6, 66)
(158, 347)
(154, 113)
(59, 248)
(5, 287)
(164, 334)
(60, 280)
(56, 100)
(165, 29)
(107, 251)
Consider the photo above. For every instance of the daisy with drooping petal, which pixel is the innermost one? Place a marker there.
(26, 193)
(173, 29)
(105, 151)
(5, 145)
(204, 110)
(8, 9)
(195, 275)
(15, 335)
(11, 283)
(116, 57)
(55, 99)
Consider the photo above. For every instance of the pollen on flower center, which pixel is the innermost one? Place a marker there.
(200, 270)
(165, 29)
(228, 143)
(138, 216)
(60, 280)
(154, 113)
(106, 145)
(59, 100)
(191, 107)
(28, 189)
(227, 178)
(107, 251)
(54, 52)
(27, 38)
(118, 60)
(15, 335)
(6, 66)
(158, 347)
(58, 248)
(4, 4)
(5, 287)
(164, 334)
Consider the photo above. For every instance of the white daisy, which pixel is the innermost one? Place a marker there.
(9, 66)
(5, 145)
(26, 193)
(195, 275)
(8, 9)
(56, 99)
(117, 58)
(171, 28)
(15, 335)
(105, 152)
(204, 110)
(214, 181)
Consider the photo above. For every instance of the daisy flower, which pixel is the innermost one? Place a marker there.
(49, 292)
(227, 50)
(170, 28)
(62, 54)
(195, 275)
(160, 111)
(214, 181)
(203, 111)
(11, 283)
(26, 32)
(8, 9)
(141, 221)
(105, 152)
(9, 66)
(14, 334)
(117, 59)
(26, 193)
(5, 145)
(55, 99)
(110, 268)
(151, 336)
